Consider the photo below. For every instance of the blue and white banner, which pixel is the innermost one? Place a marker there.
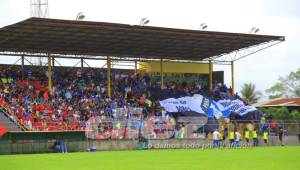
(217, 110)
(200, 104)
(196, 103)
(236, 106)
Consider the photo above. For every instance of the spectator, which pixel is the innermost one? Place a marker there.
(280, 135)
(231, 138)
(265, 136)
(237, 139)
(255, 137)
(75, 100)
(247, 135)
(62, 146)
(216, 135)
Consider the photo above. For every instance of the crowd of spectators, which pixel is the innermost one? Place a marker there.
(79, 98)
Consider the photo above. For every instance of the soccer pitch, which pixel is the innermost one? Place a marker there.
(263, 158)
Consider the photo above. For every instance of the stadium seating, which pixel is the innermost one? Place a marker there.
(79, 95)
(79, 101)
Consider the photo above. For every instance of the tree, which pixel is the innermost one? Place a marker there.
(249, 93)
(282, 113)
(288, 86)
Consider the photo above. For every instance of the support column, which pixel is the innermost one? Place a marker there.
(210, 79)
(161, 74)
(135, 66)
(81, 62)
(53, 61)
(22, 61)
(232, 77)
(108, 76)
(49, 73)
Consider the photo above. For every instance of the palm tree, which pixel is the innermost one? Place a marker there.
(249, 93)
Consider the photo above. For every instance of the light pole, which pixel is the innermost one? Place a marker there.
(202, 26)
(80, 16)
(253, 30)
(144, 21)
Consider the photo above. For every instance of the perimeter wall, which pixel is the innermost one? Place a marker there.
(75, 142)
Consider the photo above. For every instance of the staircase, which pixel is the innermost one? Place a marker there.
(8, 124)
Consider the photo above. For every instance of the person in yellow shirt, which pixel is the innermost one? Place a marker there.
(247, 135)
(255, 137)
(231, 137)
(182, 132)
(265, 136)
(4, 80)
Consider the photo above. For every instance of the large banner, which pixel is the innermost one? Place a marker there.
(196, 103)
(200, 104)
(236, 106)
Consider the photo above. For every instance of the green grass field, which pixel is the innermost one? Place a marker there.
(264, 158)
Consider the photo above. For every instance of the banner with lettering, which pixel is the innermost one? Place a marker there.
(196, 103)
(200, 104)
(236, 106)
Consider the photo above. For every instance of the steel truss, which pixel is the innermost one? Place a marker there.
(223, 59)
(228, 58)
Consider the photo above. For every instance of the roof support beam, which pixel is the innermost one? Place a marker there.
(232, 77)
(108, 89)
(210, 79)
(161, 74)
(49, 73)
(22, 63)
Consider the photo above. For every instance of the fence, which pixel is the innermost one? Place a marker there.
(130, 133)
(119, 135)
(167, 128)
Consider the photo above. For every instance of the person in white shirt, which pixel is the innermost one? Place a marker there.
(29, 124)
(237, 139)
(216, 135)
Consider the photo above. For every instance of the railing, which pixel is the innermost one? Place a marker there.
(8, 115)
(121, 135)
(149, 129)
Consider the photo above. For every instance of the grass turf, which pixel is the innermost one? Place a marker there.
(263, 158)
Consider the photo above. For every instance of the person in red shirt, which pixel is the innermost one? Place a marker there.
(46, 96)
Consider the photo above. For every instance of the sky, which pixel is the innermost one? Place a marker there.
(272, 17)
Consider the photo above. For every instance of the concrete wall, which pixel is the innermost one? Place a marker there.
(204, 143)
(21, 147)
(174, 67)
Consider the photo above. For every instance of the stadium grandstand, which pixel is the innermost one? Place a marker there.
(114, 103)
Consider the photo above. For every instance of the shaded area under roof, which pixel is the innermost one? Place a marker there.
(68, 37)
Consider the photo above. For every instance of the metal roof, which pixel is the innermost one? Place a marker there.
(280, 102)
(69, 37)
